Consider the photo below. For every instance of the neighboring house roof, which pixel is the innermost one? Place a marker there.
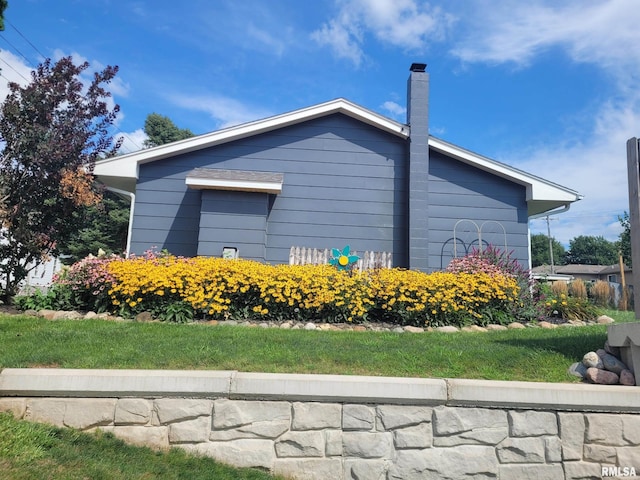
(579, 269)
(121, 172)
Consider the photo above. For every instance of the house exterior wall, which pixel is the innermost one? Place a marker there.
(464, 194)
(344, 183)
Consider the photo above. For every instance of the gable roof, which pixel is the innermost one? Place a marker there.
(121, 172)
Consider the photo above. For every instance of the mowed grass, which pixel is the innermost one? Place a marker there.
(36, 451)
(29, 450)
(536, 355)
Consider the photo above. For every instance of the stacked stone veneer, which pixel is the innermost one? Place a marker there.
(307, 427)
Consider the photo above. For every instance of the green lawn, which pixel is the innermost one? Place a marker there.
(29, 451)
(527, 355)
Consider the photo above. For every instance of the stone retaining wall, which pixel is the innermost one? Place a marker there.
(341, 427)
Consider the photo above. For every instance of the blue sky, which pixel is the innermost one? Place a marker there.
(550, 87)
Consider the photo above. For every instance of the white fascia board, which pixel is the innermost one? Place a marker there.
(127, 165)
(537, 188)
(234, 185)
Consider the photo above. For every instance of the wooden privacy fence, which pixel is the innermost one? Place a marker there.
(316, 256)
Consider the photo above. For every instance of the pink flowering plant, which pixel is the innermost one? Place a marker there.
(493, 261)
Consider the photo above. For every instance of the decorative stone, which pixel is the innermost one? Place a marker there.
(521, 450)
(547, 325)
(474, 328)
(447, 329)
(367, 445)
(605, 429)
(400, 416)
(612, 364)
(572, 426)
(316, 416)
(615, 351)
(358, 417)
(578, 369)
(300, 444)
(553, 449)
(516, 326)
(469, 426)
(604, 320)
(144, 317)
(592, 360)
(17, 406)
(412, 329)
(310, 326)
(190, 431)
(418, 436)
(600, 454)
(132, 411)
(464, 461)
(309, 468)
(602, 377)
(627, 378)
(361, 469)
(177, 409)
(494, 327)
(286, 325)
(530, 423)
(47, 314)
(539, 472)
(90, 315)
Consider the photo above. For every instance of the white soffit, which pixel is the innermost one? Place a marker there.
(235, 180)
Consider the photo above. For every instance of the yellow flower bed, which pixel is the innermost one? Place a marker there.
(228, 288)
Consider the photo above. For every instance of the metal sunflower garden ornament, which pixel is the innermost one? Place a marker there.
(343, 260)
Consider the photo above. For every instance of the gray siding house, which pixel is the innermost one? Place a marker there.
(327, 176)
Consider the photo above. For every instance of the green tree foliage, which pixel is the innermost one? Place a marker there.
(105, 227)
(53, 130)
(540, 251)
(3, 6)
(161, 130)
(624, 240)
(590, 250)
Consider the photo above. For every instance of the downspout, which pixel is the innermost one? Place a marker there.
(132, 199)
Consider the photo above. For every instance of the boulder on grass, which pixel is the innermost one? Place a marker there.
(602, 377)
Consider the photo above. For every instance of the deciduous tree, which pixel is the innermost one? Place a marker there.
(53, 130)
(540, 251)
(161, 130)
(590, 250)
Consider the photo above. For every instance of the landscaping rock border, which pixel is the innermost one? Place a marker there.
(323, 326)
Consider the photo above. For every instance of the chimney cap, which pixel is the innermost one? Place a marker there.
(418, 67)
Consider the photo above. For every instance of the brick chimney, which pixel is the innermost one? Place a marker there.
(418, 121)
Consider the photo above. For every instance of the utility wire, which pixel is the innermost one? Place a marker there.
(16, 49)
(26, 39)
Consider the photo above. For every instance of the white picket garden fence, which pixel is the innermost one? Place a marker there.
(316, 256)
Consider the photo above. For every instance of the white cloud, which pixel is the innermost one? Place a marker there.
(225, 111)
(593, 162)
(133, 141)
(396, 110)
(407, 24)
(594, 32)
(13, 70)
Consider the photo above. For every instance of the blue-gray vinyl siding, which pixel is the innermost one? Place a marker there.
(461, 194)
(344, 184)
